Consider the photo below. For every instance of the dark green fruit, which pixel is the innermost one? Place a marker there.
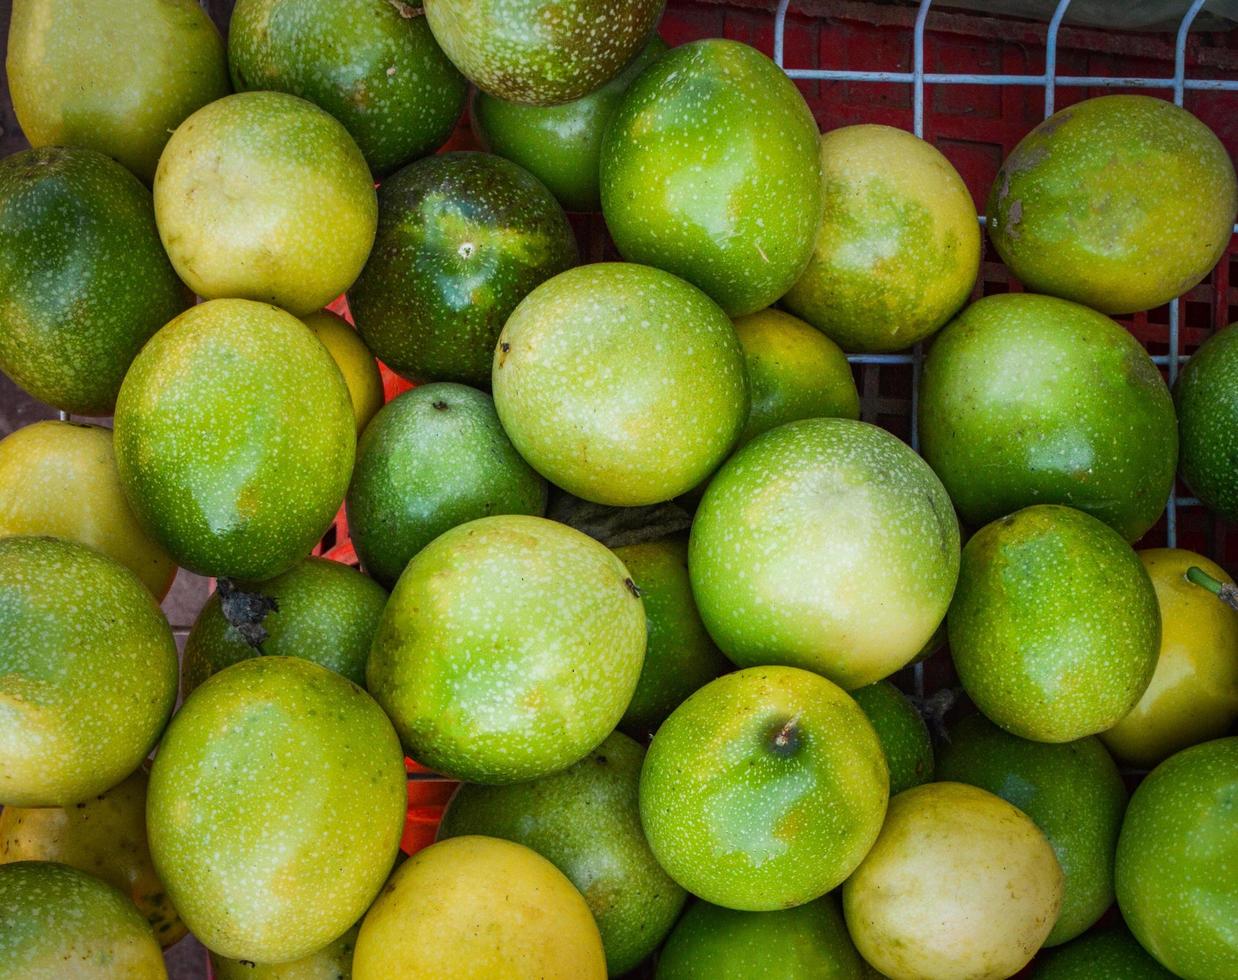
(1111, 953)
(1073, 793)
(372, 64)
(808, 942)
(462, 238)
(1054, 628)
(432, 458)
(234, 477)
(332, 962)
(679, 654)
(318, 610)
(709, 170)
(586, 821)
(1029, 399)
(84, 281)
(1207, 400)
(560, 145)
(902, 732)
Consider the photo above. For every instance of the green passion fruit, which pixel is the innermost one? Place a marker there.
(1111, 953)
(903, 735)
(332, 962)
(462, 238)
(353, 358)
(1207, 400)
(709, 170)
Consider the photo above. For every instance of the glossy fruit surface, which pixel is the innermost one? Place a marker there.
(1207, 400)
(372, 64)
(479, 907)
(353, 358)
(462, 238)
(275, 808)
(764, 789)
(1175, 862)
(809, 535)
(87, 672)
(959, 884)
(898, 249)
(234, 478)
(620, 383)
(709, 170)
(1030, 399)
(1054, 629)
(1111, 953)
(903, 735)
(1120, 202)
(84, 281)
(264, 196)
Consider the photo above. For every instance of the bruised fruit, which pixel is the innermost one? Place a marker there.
(353, 358)
(902, 732)
(1207, 398)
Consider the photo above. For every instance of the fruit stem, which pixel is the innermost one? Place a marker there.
(1224, 591)
(785, 740)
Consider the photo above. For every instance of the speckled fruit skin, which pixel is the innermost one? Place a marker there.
(1073, 793)
(680, 656)
(84, 281)
(560, 145)
(59, 479)
(709, 170)
(475, 907)
(51, 914)
(372, 64)
(87, 672)
(434, 458)
(903, 735)
(462, 238)
(812, 533)
(1029, 399)
(959, 884)
(1106, 954)
(620, 383)
(235, 478)
(1177, 858)
(275, 808)
(1120, 202)
(327, 613)
(764, 789)
(541, 52)
(332, 962)
(1054, 628)
(353, 358)
(510, 647)
(808, 942)
(1206, 396)
(118, 84)
(264, 196)
(898, 250)
(586, 822)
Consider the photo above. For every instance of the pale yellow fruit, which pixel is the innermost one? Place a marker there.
(353, 358)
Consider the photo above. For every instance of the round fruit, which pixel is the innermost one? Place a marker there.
(586, 821)
(811, 534)
(235, 439)
(709, 170)
(435, 457)
(462, 238)
(1106, 954)
(903, 735)
(560, 145)
(479, 907)
(264, 196)
(104, 836)
(679, 654)
(353, 358)
(959, 884)
(119, 84)
(332, 962)
(1207, 400)
(510, 647)
(1121, 202)
(84, 281)
(59, 479)
(898, 250)
(541, 52)
(372, 64)
(1072, 792)
(1029, 399)
(87, 672)
(318, 610)
(52, 915)
(620, 383)
(764, 789)
(1175, 862)
(1054, 627)
(1193, 696)
(809, 942)
(275, 809)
